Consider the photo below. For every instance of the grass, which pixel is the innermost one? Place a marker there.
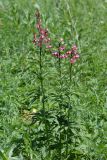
(81, 22)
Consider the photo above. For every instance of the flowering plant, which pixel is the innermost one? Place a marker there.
(72, 53)
(42, 36)
(42, 41)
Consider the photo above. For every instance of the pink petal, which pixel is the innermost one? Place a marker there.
(56, 54)
(76, 56)
(47, 40)
(61, 48)
(74, 48)
(68, 52)
(49, 46)
(72, 60)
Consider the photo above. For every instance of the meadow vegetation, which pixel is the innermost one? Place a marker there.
(65, 119)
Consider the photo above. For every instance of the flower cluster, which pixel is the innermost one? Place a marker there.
(42, 33)
(72, 53)
(43, 38)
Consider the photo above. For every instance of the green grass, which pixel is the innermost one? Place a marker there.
(78, 21)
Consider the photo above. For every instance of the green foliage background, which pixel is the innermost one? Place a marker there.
(83, 22)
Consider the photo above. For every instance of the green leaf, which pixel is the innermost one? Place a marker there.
(3, 156)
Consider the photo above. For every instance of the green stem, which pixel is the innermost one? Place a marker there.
(3, 155)
(41, 80)
(60, 77)
(43, 96)
(70, 67)
(42, 87)
(60, 103)
(68, 112)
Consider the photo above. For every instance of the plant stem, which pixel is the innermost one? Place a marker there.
(42, 87)
(41, 80)
(69, 105)
(60, 96)
(60, 77)
(43, 96)
(70, 67)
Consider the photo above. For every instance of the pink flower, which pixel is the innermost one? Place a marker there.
(72, 60)
(63, 56)
(42, 33)
(68, 52)
(76, 56)
(72, 52)
(49, 46)
(36, 40)
(61, 48)
(42, 37)
(74, 48)
(56, 54)
(47, 40)
(38, 26)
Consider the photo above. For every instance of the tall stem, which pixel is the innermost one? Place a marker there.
(41, 79)
(60, 76)
(68, 112)
(60, 96)
(43, 96)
